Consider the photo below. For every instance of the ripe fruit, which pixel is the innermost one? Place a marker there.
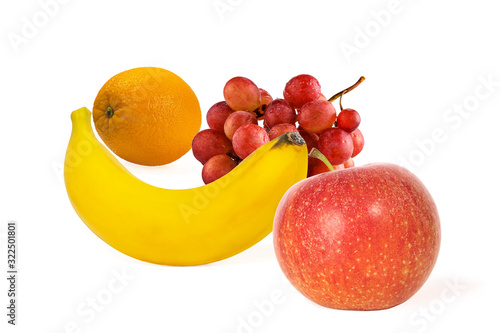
(316, 166)
(311, 139)
(336, 144)
(147, 115)
(363, 238)
(236, 120)
(358, 142)
(348, 120)
(280, 129)
(349, 163)
(209, 143)
(216, 167)
(302, 89)
(217, 115)
(317, 116)
(241, 94)
(279, 111)
(265, 100)
(184, 226)
(249, 138)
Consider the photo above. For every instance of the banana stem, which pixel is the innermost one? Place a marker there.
(345, 91)
(317, 154)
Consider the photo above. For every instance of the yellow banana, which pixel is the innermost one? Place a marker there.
(179, 227)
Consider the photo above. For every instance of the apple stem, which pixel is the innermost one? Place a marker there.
(345, 91)
(317, 154)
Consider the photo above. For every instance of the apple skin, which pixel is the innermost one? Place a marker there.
(363, 238)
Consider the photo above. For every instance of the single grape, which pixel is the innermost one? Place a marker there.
(336, 144)
(311, 139)
(236, 120)
(280, 129)
(302, 89)
(248, 138)
(266, 126)
(265, 100)
(316, 166)
(217, 115)
(209, 143)
(317, 116)
(241, 94)
(349, 163)
(279, 111)
(348, 120)
(322, 97)
(358, 141)
(216, 167)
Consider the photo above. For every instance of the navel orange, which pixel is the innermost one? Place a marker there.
(147, 115)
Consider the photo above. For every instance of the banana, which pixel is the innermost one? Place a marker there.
(178, 227)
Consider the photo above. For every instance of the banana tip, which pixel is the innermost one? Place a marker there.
(81, 113)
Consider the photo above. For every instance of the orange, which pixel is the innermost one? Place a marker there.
(147, 115)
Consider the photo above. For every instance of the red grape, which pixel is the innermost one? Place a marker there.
(248, 138)
(316, 166)
(279, 111)
(302, 89)
(348, 120)
(336, 144)
(236, 120)
(311, 139)
(349, 163)
(265, 100)
(217, 115)
(241, 94)
(209, 143)
(216, 167)
(265, 126)
(358, 141)
(317, 116)
(280, 129)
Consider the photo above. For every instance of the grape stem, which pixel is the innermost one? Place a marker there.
(340, 101)
(345, 91)
(317, 154)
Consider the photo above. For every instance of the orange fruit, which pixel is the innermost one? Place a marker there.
(147, 115)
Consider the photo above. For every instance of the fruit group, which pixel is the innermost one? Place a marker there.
(363, 238)
(147, 115)
(178, 227)
(303, 105)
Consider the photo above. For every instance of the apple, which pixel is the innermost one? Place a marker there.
(362, 238)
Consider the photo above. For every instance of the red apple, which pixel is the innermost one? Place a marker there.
(363, 238)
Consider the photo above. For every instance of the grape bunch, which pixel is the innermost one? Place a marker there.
(249, 117)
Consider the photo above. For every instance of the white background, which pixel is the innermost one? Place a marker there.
(423, 63)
